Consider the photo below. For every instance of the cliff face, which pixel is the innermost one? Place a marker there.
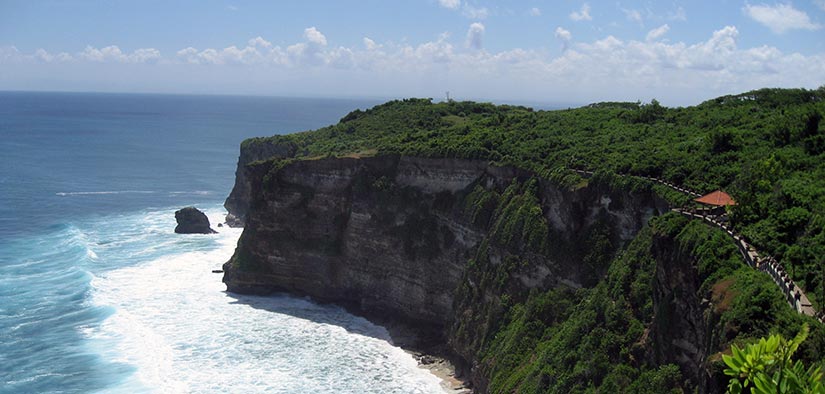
(238, 201)
(433, 242)
(373, 233)
(681, 329)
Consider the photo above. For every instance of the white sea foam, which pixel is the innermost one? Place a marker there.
(64, 194)
(194, 192)
(175, 324)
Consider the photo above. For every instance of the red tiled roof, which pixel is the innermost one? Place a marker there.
(717, 198)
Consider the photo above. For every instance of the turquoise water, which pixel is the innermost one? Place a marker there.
(97, 294)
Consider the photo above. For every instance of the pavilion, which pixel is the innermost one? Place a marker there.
(716, 201)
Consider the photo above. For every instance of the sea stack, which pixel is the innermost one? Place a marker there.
(192, 221)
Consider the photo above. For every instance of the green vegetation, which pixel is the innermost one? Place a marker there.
(766, 367)
(746, 302)
(765, 147)
(519, 218)
(588, 341)
(597, 339)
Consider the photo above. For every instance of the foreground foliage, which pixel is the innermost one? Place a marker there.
(766, 367)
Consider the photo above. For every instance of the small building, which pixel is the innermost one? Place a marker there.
(715, 202)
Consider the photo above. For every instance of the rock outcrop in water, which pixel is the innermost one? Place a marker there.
(192, 221)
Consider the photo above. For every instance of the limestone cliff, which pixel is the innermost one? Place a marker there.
(681, 330)
(545, 281)
(251, 151)
(432, 242)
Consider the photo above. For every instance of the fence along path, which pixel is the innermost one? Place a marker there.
(793, 294)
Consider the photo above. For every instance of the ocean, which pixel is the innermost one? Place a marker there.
(97, 293)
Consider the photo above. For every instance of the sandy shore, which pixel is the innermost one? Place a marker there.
(444, 370)
(430, 354)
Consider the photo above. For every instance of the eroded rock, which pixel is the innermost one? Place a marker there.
(192, 221)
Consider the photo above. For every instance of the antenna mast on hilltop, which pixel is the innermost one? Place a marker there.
(448, 96)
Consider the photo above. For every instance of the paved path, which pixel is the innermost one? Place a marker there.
(793, 294)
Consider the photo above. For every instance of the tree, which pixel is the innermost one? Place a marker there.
(766, 367)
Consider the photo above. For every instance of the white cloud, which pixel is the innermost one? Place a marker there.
(254, 53)
(42, 55)
(259, 51)
(604, 69)
(563, 34)
(474, 35)
(370, 44)
(679, 14)
(113, 53)
(310, 52)
(451, 4)
(189, 54)
(64, 57)
(780, 18)
(314, 36)
(608, 43)
(9, 54)
(341, 58)
(467, 9)
(259, 42)
(537, 12)
(657, 32)
(231, 8)
(474, 12)
(98, 55)
(583, 14)
(235, 55)
(144, 55)
(210, 56)
(633, 15)
(516, 56)
(303, 53)
(440, 51)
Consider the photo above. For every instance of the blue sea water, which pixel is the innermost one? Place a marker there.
(97, 294)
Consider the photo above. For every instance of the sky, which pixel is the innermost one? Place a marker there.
(566, 51)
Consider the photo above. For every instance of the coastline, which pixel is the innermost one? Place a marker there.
(444, 370)
(424, 344)
(430, 353)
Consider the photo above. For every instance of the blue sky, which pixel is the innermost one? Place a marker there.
(680, 52)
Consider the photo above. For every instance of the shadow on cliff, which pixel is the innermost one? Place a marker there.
(306, 309)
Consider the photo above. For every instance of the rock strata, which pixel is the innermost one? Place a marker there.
(192, 221)
(251, 151)
(396, 236)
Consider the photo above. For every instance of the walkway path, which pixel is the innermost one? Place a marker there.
(793, 294)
